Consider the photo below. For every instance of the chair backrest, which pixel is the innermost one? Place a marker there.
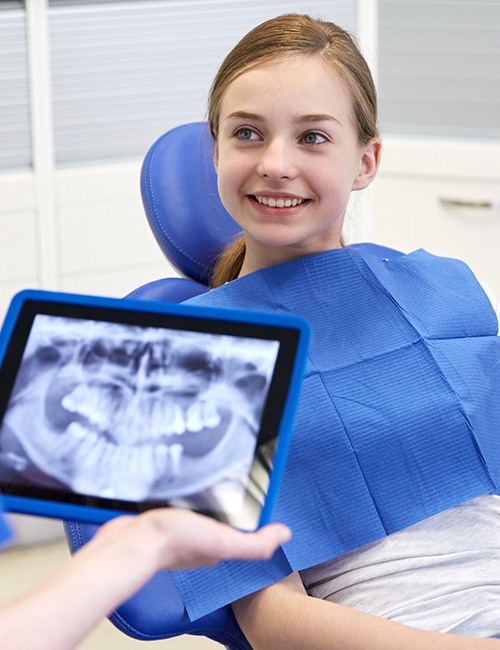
(181, 200)
(184, 211)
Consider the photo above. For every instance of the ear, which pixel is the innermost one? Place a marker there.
(216, 157)
(369, 163)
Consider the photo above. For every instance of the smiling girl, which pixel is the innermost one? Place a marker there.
(391, 483)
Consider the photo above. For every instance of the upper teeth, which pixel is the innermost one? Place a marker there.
(133, 422)
(278, 203)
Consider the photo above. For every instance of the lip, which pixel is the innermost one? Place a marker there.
(277, 195)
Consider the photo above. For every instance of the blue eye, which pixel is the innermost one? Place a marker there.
(246, 134)
(314, 138)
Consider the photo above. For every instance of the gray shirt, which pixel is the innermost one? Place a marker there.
(442, 574)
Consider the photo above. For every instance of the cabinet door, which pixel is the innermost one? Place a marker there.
(455, 218)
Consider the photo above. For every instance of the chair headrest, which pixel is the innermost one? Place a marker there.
(181, 200)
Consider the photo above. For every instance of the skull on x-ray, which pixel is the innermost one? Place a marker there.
(136, 413)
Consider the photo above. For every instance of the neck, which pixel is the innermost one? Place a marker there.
(256, 260)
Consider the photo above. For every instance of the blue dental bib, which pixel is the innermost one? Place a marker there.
(397, 418)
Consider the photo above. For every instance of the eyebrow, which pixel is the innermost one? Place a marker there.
(318, 117)
(245, 116)
(312, 117)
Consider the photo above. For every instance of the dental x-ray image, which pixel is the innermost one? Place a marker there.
(136, 413)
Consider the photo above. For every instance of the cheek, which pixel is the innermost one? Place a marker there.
(336, 181)
(230, 177)
(222, 185)
(227, 194)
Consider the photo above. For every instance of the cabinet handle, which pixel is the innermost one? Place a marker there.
(488, 204)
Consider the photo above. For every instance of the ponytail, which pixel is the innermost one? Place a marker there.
(229, 264)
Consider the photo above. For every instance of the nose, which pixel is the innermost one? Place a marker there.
(277, 161)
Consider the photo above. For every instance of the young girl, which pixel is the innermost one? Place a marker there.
(393, 469)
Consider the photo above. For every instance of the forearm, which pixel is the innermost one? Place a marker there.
(62, 610)
(283, 617)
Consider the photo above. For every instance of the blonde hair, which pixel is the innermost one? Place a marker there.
(293, 35)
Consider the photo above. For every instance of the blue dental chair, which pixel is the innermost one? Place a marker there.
(183, 208)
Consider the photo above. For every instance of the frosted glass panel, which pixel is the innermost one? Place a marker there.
(439, 67)
(15, 139)
(125, 72)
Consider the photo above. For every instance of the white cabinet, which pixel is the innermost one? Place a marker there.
(102, 242)
(444, 197)
(19, 258)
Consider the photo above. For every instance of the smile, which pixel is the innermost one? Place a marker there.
(279, 203)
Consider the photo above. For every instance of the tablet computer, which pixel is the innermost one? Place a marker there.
(111, 406)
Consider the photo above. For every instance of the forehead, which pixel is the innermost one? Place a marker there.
(305, 84)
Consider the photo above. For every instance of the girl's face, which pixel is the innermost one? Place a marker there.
(288, 157)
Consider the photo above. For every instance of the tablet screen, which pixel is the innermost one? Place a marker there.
(127, 410)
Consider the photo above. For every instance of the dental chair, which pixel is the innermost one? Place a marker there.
(191, 226)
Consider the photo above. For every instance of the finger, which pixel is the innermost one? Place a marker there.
(258, 545)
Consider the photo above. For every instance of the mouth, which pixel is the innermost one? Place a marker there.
(279, 202)
(195, 425)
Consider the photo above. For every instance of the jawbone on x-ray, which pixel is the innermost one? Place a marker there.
(136, 413)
